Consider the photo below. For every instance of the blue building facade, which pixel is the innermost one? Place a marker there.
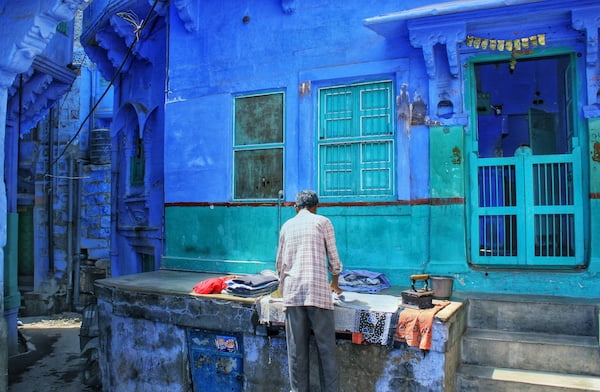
(61, 188)
(135, 61)
(36, 71)
(440, 138)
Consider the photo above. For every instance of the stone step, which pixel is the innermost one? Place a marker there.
(473, 378)
(569, 354)
(534, 314)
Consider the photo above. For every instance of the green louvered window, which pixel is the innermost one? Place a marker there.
(356, 141)
(137, 163)
(63, 28)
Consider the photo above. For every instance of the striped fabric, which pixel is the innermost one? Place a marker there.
(306, 252)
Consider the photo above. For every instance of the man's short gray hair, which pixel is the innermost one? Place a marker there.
(306, 199)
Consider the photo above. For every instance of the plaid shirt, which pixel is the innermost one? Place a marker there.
(306, 251)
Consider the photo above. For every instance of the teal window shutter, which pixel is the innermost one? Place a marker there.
(356, 141)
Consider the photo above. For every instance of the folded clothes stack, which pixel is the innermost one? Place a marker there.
(363, 280)
(252, 285)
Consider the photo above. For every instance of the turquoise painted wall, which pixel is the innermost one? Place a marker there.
(594, 169)
(447, 189)
(243, 239)
(222, 239)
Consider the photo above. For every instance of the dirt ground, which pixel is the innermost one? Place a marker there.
(51, 360)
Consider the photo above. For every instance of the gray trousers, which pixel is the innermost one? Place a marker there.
(299, 320)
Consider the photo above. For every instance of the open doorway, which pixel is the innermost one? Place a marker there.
(527, 167)
(523, 104)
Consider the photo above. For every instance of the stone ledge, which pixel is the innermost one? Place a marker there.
(166, 296)
(145, 318)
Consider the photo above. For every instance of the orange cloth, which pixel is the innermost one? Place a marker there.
(358, 338)
(415, 325)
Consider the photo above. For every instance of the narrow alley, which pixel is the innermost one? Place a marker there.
(51, 361)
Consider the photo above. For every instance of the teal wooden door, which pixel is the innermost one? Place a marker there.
(527, 210)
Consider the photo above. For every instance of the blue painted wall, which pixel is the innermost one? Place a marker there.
(275, 51)
(249, 48)
(214, 52)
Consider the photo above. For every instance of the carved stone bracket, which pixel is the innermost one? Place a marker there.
(288, 6)
(32, 92)
(136, 213)
(188, 11)
(111, 34)
(448, 35)
(6, 78)
(124, 29)
(38, 96)
(443, 100)
(36, 39)
(115, 49)
(37, 103)
(65, 9)
(588, 20)
(97, 55)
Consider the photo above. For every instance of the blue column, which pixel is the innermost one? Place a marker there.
(12, 298)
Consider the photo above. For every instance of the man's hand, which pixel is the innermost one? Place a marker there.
(334, 285)
(336, 289)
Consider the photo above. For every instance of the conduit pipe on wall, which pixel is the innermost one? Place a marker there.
(77, 235)
(114, 180)
(279, 202)
(52, 183)
(70, 163)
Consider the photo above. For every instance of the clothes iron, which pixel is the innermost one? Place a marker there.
(418, 298)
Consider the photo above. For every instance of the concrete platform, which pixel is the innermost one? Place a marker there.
(146, 322)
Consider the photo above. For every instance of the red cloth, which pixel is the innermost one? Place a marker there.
(415, 325)
(212, 285)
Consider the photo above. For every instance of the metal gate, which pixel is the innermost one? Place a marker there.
(527, 210)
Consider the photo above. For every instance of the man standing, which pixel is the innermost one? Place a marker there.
(307, 252)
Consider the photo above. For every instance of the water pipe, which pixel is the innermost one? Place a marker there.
(279, 202)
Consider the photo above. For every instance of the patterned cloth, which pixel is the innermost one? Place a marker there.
(307, 250)
(372, 327)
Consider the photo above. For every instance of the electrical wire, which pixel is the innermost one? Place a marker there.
(138, 29)
(69, 177)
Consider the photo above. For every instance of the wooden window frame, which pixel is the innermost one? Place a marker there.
(250, 144)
